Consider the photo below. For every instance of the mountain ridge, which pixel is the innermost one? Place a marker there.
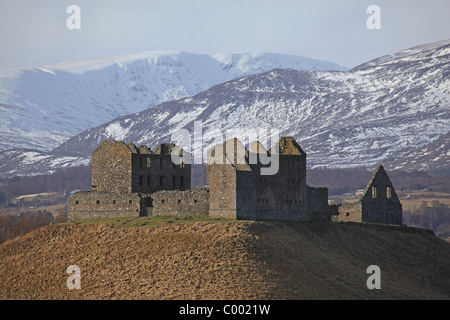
(42, 107)
(381, 114)
(310, 95)
(401, 54)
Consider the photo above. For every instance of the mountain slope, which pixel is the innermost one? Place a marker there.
(432, 156)
(383, 113)
(239, 260)
(341, 119)
(42, 107)
(402, 54)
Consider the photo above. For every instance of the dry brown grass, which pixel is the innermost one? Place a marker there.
(207, 260)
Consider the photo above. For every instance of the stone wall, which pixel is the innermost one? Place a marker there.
(289, 188)
(192, 202)
(157, 172)
(239, 191)
(317, 203)
(378, 204)
(98, 204)
(350, 212)
(370, 211)
(236, 187)
(118, 167)
(112, 167)
(222, 186)
(274, 197)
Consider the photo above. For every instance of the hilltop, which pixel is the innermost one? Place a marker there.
(224, 260)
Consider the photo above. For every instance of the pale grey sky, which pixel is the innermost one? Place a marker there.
(33, 33)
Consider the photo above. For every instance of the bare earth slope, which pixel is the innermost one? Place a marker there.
(240, 260)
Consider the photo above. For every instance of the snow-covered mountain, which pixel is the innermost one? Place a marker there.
(42, 107)
(394, 112)
(403, 54)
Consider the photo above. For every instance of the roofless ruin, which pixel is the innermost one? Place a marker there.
(132, 181)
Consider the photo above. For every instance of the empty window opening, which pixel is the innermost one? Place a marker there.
(140, 162)
(388, 192)
(182, 180)
(160, 162)
(347, 214)
(162, 201)
(114, 201)
(130, 201)
(161, 181)
(174, 181)
(148, 180)
(141, 180)
(97, 202)
(179, 201)
(77, 202)
(195, 201)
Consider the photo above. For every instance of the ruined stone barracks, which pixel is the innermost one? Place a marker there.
(128, 181)
(378, 204)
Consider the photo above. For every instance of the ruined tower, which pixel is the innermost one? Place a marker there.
(123, 179)
(120, 167)
(260, 184)
(240, 190)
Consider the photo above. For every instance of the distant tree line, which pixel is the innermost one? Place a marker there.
(62, 182)
(435, 217)
(340, 181)
(12, 226)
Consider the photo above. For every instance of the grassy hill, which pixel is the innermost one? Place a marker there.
(170, 259)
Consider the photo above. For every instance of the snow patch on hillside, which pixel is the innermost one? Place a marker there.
(116, 132)
(60, 100)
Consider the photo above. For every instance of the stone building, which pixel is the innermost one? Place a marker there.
(120, 167)
(124, 178)
(378, 204)
(101, 204)
(239, 190)
(132, 181)
(191, 202)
